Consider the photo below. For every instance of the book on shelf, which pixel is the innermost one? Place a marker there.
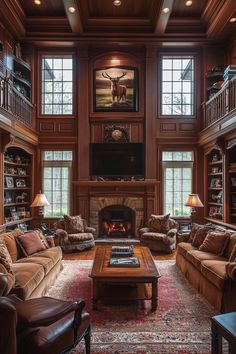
(122, 250)
(124, 262)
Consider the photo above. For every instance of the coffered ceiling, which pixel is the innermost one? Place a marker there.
(51, 20)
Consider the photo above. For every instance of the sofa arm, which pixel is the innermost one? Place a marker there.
(62, 236)
(8, 322)
(90, 230)
(7, 281)
(231, 270)
(172, 232)
(143, 230)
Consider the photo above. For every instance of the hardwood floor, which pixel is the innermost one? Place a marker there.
(89, 254)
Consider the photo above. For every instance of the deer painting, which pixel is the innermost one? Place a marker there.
(118, 92)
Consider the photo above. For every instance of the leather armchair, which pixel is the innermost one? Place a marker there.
(159, 240)
(42, 326)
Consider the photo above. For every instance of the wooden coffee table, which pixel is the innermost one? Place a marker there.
(124, 283)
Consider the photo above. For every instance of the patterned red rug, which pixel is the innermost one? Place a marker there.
(180, 325)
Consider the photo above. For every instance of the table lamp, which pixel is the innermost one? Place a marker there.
(40, 201)
(194, 202)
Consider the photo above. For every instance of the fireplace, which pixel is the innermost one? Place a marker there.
(116, 221)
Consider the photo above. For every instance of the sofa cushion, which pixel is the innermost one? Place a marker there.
(159, 223)
(184, 247)
(154, 236)
(215, 272)
(12, 246)
(27, 278)
(80, 237)
(196, 257)
(232, 257)
(30, 243)
(215, 242)
(231, 247)
(46, 262)
(73, 224)
(54, 253)
(200, 235)
(5, 258)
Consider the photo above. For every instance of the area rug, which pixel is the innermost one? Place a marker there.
(181, 324)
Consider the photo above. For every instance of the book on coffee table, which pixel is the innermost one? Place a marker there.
(124, 251)
(124, 262)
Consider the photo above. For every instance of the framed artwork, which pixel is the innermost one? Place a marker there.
(9, 182)
(21, 171)
(116, 89)
(20, 183)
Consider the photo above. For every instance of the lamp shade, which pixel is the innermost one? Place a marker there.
(40, 200)
(193, 201)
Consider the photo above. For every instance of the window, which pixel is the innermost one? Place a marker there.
(177, 177)
(57, 85)
(177, 85)
(56, 182)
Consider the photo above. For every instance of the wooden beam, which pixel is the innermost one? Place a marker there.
(163, 18)
(220, 18)
(73, 18)
(13, 17)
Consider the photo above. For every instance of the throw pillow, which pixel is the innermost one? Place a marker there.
(10, 241)
(193, 232)
(200, 235)
(5, 258)
(159, 223)
(215, 242)
(73, 224)
(43, 238)
(30, 243)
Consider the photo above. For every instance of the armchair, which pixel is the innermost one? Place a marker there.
(73, 234)
(160, 233)
(42, 326)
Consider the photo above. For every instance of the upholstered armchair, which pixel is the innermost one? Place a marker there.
(42, 326)
(73, 234)
(160, 233)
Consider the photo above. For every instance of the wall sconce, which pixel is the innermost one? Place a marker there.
(40, 201)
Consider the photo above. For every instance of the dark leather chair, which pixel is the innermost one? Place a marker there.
(41, 326)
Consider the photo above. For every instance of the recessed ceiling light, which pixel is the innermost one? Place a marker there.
(233, 19)
(37, 2)
(166, 10)
(189, 3)
(117, 2)
(71, 9)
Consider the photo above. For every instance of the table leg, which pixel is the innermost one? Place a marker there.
(154, 294)
(216, 340)
(95, 295)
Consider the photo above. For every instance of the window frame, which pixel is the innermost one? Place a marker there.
(176, 164)
(41, 55)
(196, 94)
(59, 163)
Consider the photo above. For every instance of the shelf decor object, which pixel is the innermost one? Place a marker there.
(40, 201)
(194, 202)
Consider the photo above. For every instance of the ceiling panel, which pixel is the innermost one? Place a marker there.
(47, 8)
(128, 8)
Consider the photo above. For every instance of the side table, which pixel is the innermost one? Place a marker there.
(223, 326)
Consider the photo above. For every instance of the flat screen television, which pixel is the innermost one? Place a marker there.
(117, 159)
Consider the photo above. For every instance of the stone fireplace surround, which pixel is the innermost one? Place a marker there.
(134, 203)
(139, 196)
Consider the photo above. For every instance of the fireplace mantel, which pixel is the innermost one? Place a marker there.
(144, 183)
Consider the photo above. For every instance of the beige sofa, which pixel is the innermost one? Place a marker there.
(30, 276)
(212, 275)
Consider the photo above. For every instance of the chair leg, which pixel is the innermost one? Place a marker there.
(87, 338)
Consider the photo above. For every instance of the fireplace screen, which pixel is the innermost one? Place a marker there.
(116, 221)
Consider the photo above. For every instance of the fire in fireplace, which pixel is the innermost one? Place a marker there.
(116, 221)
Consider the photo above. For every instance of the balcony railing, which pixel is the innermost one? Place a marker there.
(221, 104)
(13, 102)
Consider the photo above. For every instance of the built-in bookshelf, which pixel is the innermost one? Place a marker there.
(215, 185)
(17, 186)
(232, 184)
